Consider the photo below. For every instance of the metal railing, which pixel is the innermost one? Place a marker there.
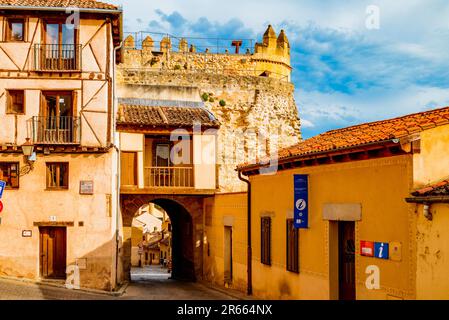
(57, 57)
(201, 44)
(169, 177)
(55, 130)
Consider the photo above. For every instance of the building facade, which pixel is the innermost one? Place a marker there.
(188, 114)
(364, 240)
(431, 205)
(56, 94)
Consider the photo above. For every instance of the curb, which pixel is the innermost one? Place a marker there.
(44, 283)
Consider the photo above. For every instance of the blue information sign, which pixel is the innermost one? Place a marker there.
(2, 188)
(382, 250)
(301, 201)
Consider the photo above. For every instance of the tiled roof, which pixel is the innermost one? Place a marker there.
(367, 133)
(439, 189)
(85, 4)
(168, 116)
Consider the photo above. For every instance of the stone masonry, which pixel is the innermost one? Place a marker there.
(250, 94)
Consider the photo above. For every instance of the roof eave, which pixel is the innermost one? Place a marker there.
(64, 9)
(428, 199)
(317, 154)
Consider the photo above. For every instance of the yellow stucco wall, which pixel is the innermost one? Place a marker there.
(226, 210)
(380, 186)
(432, 281)
(432, 163)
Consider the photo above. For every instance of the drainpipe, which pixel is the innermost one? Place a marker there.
(117, 147)
(250, 258)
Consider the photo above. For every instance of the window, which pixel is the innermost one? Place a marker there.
(9, 172)
(15, 102)
(16, 30)
(59, 33)
(57, 123)
(59, 50)
(265, 257)
(162, 155)
(57, 175)
(292, 247)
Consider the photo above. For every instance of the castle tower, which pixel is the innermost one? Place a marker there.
(283, 43)
(269, 37)
(272, 56)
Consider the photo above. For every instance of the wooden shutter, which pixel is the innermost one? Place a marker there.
(266, 240)
(129, 168)
(292, 247)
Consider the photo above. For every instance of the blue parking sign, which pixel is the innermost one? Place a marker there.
(382, 250)
(2, 188)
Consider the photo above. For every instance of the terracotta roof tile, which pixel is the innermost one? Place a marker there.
(137, 115)
(438, 189)
(86, 4)
(367, 133)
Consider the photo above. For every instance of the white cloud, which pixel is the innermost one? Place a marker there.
(306, 123)
(336, 110)
(344, 73)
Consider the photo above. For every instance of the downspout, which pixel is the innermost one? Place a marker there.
(249, 258)
(117, 147)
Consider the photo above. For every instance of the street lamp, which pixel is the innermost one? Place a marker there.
(28, 148)
(30, 157)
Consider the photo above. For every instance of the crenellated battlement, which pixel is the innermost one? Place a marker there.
(270, 58)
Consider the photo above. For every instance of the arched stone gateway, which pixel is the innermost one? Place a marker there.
(186, 215)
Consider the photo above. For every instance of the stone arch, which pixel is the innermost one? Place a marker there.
(186, 214)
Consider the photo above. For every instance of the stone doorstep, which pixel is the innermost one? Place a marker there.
(230, 292)
(61, 284)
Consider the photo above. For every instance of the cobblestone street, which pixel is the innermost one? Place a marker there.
(150, 283)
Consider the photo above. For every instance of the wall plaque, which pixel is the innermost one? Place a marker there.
(87, 187)
(27, 233)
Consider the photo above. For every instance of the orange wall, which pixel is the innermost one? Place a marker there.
(380, 186)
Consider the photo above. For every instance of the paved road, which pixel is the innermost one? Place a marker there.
(147, 284)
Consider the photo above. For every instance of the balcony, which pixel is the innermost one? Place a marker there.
(57, 57)
(55, 130)
(169, 177)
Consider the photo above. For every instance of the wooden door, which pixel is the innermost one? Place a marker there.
(129, 168)
(346, 238)
(228, 255)
(53, 252)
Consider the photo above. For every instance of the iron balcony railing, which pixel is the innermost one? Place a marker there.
(55, 130)
(57, 57)
(169, 177)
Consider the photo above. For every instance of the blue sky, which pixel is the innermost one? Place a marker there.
(344, 73)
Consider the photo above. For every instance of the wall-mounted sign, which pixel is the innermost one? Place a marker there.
(367, 248)
(396, 251)
(27, 233)
(301, 189)
(2, 188)
(381, 250)
(53, 219)
(1, 206)
(87, 187)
